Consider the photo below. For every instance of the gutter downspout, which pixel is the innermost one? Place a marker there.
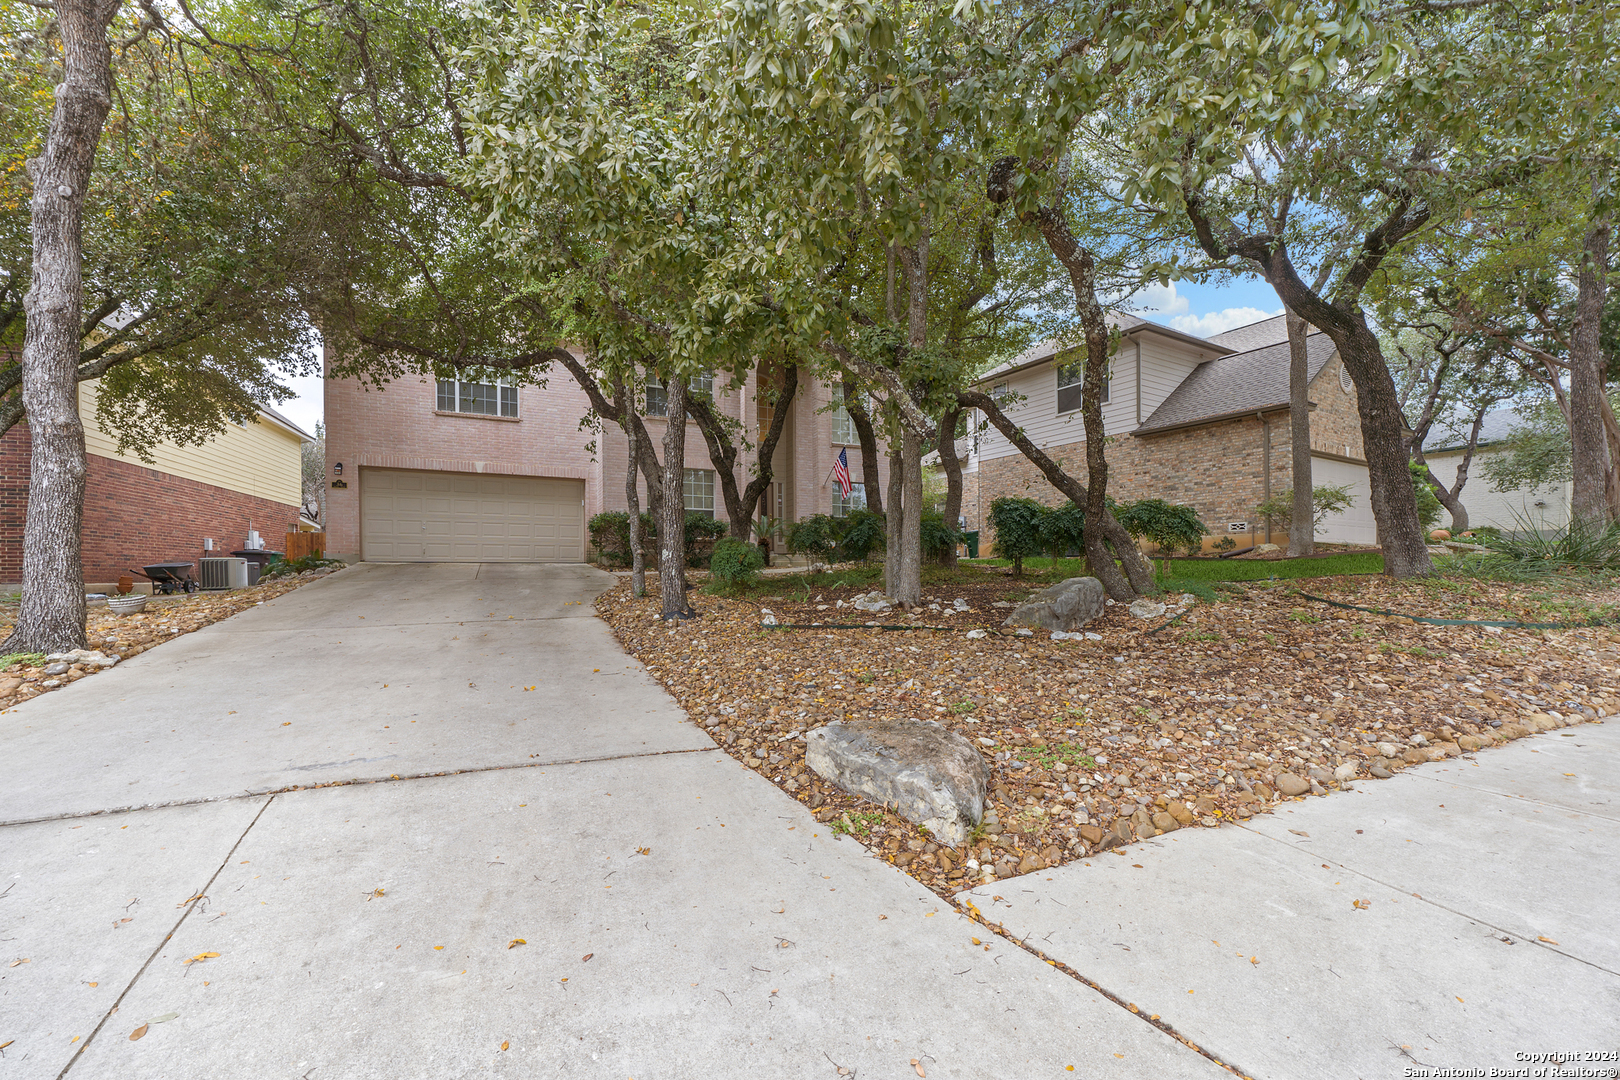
(1265, 464)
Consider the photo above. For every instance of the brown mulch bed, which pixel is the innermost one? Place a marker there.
(1097, 743)
(164, 619)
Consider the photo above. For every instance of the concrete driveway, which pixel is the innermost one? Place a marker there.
(556, 874)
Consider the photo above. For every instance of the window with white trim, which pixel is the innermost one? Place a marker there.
(697, 490)
(657, 397)
(1071, 381)
(498, 398)
(842, 507)
(701, 384)
(843, 425)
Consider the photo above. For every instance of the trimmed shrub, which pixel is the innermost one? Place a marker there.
(1170, 526)
(734, 562)
(938, 538)
(1018, 529)
(610, 535)
(816, 537)
(864, 533)
(702, 532)
(1063, 529)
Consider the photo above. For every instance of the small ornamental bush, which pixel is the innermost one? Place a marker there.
(816, 537)
(1018, 530)
(864, 533)
(1172, 527)
(1064, 530)
(937, 537)
(702, 530)
(734, 563)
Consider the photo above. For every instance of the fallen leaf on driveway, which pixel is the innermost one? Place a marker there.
(166, 1017)
(1362, 904)
(915, 1064)
(586, 957)
(1296, 832)
(14, 963)
(515, 942)
(200, 957)
(643, 851)
(1548, 940)
(504, 1045)
(137, 1033)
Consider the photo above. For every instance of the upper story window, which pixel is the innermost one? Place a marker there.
(1071, 386)
(658, 392)
(498, 398)
(843, 425)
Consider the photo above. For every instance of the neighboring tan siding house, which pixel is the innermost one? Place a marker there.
(1192, 421)
(478, 472)
(137, 513)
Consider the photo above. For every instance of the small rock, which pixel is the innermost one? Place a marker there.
(1025, 632)
(1468, 743)
(1347, 771)
(1164, 822)
(1264, 791)
(976, 634)
(56, 669)
(1387, 749)
(1292, 785)
(767, 619)
(1380, 772)
(1414, 756)
(1091, 834)
(1030, 864)
(1146, 609)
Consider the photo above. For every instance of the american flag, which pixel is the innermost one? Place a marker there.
(841, 471)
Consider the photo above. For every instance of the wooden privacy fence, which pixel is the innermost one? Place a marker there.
(303, 544)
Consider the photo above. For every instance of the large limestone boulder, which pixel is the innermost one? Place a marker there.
(924, 772)
(1066, 606)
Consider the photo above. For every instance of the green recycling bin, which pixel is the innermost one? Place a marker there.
(972, 539)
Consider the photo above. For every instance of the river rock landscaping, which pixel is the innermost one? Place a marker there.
(1138, 726)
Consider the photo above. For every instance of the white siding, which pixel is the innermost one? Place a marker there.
(1546, 507)
(1355, 525)
(1164, 363)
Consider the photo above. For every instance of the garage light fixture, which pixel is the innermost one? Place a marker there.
(338, 469)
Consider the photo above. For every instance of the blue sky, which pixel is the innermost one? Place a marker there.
(1199, 309)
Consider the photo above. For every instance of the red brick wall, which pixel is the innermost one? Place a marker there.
(135, 516)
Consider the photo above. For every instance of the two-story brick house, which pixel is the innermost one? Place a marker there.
(426, 471)
(1202, 422)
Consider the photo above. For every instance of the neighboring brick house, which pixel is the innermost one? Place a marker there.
(1201, 422)
(138, 513)
(485, 472)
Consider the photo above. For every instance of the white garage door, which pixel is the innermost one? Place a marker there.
(470, 517)
(1355, 525)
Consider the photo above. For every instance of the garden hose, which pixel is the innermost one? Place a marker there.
(1504, 624)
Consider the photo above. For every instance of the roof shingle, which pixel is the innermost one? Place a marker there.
(1232, 385)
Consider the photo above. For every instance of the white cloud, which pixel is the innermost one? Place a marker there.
(1156, 299)
(1218, 322)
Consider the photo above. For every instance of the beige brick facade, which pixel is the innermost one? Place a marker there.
(1219, 468)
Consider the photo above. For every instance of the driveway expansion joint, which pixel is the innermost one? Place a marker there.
(260, 793)
(1432, 903)
(966, 906)
(191, 905)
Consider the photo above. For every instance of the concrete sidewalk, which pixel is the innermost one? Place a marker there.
(1458, 915)
(680, 916)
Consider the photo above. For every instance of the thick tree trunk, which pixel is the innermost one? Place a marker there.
(1111, 529)
(672, 518)
(953, 475)
(1394, 503)
(907, 586)
(1302, 527)
(723, 453)
(1589, 446)
(871, 477)
(52, 614)
(1137, 578)
(891, 519)
(632, 497)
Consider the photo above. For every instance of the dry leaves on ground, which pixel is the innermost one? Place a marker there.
(1098, 743)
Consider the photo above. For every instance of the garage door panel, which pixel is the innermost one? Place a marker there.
(453, 517)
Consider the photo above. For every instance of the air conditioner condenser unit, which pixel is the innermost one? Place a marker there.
(224, 573)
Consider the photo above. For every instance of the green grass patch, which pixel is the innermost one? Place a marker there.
(858, 825)
(1068, 753)
(1351, 562)
(12, 659)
